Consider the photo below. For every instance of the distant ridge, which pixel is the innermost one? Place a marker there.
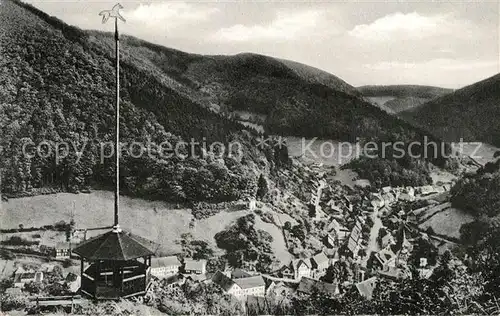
(472, 113)
(398, 98)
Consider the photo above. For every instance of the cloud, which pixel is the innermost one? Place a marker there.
(286, 26)
(401, 26)
(445, 72)
(167, 16)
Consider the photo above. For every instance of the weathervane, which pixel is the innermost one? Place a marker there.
(106, 14)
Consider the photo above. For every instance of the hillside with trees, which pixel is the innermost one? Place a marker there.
(471, 113)
(57, 86)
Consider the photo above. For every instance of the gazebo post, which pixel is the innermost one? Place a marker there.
(81, 266)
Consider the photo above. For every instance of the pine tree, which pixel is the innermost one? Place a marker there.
(262, 187)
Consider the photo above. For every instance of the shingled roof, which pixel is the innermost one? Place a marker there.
(115, 245)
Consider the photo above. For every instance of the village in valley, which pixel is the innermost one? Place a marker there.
(254, 229)
(342, 239)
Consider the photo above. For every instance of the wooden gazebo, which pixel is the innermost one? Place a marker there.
(119, 261)
(120, 265)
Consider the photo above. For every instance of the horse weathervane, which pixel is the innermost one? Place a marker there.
(113, 13)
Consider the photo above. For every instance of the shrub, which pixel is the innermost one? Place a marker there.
(18, 241)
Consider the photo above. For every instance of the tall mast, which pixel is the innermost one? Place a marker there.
(117, 140)
(115, 14)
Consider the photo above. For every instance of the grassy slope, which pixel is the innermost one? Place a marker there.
(472, 112)
(158, 221)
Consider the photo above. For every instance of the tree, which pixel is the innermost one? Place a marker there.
(33, 287)
(262, 187)
(5, 284)
(287, 226)
(57, 289)
(330, 274)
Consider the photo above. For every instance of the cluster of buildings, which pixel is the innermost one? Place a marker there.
(24, 276)
(313, 267)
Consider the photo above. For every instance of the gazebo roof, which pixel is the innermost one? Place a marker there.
(116, 245)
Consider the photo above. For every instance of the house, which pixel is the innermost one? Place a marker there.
(22, 276)
(195, 266)
(393, 273)
(366, 287)
(386, 190)
(426, 190)
(241, 287)
(174, 280)
(279, 289)
(406, 197)
(330, 240)
(389, 198)
(384, 211)
(386, 257)
(165, 266)
(340, 230)
(253, 285)
(376, 200)
(238, 274)
(301, 268)
(13, 291)
(287, 271)
(320, 263)
(411, 217)
(447, 186)
(252, 204)
(308, 286)
(63, 250)
(354, 242)
(334, 208)
(387, 240)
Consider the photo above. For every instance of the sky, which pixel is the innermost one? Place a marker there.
(440, 43)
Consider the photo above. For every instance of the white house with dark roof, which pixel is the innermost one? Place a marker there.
(340, 230)
(22, 277)
(63, 250)
(301, 268)
(386, 257)
(241, 287)
(163, 267)
(195, 266)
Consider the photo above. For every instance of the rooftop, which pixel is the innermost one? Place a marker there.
(366, 287)
(115, 245)
(165, 262)
(309, 286)
(222, 280)
(64, 245)
(251, 282)
(196, 265)
(320, 258)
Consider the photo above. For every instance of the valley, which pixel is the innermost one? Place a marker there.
(294, 220)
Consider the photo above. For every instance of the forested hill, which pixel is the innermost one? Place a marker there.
(57, 84)
(472, 112)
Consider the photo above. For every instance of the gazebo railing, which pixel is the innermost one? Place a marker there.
(135, 281)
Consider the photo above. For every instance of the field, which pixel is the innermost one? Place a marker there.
(326, 151)
(155, 220)
(448, 222)
(481, 152)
